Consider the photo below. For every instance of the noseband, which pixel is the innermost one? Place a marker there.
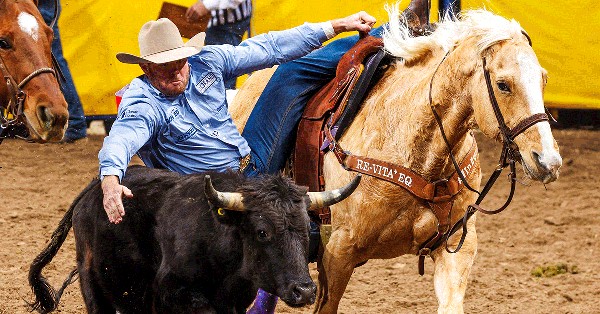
(11, 115)
(508, 158)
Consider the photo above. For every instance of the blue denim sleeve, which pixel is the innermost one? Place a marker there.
(265, 50)
(135, 124)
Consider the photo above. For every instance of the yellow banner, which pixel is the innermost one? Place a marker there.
(565, 36)
(94, 31)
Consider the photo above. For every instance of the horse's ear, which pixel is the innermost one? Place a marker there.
(36, 3)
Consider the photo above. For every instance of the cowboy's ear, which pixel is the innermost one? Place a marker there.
(145, 67)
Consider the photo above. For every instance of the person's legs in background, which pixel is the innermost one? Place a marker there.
(232, 34)
(77, 125)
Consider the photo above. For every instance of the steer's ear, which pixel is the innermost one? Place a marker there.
(226, 216)
(226, 206)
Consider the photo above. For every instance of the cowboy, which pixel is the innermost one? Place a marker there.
(175, 115)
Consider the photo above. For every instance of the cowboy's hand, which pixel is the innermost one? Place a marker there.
(360, 21)
(197, 12)
(113, 198)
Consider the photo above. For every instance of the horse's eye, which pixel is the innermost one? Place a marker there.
(503, 87)
(4, 44)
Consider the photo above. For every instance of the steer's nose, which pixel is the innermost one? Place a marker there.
(303, 293)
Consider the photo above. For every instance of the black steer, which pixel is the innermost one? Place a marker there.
(184, 247)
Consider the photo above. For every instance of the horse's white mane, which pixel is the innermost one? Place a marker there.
(486, 26)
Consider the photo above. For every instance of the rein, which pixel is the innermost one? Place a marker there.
(441, 193)
(11, 115)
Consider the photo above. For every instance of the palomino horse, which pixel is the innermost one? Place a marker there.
(441, 72)
(30, 93)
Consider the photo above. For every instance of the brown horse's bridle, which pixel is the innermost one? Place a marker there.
(12, 114)
(17, 95)
(508, 158)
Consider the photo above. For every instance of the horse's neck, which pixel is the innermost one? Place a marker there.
(399, 113)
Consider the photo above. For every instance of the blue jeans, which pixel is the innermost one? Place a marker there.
(231, 34)
(77, 125)
(271, 127)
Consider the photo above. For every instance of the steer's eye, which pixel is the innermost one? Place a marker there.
(4, 44)
(503, 87)
(262, 235)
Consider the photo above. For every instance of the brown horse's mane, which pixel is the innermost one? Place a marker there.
(486, 27)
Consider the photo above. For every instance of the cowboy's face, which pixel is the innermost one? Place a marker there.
(169, 78)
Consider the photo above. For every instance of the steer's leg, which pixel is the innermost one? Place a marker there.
(452, 271)
(172, 295)
(335, 269)
(93, 296)
(94, 299)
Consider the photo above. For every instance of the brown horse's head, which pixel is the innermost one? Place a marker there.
(517, 80)
(25, 42)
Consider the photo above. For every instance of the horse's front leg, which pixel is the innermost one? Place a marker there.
(335, 269)
(452, 271)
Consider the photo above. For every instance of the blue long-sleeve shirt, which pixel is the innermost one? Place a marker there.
(194, 132)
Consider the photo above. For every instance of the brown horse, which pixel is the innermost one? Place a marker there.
(443, 71)
(30, 93)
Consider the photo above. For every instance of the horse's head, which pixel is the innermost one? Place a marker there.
(516, 81)
(484, 59)
(25, 42)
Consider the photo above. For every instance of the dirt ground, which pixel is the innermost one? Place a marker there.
(558, 224)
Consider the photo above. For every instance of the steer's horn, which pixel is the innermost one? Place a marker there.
(328, 198)
(226, 200)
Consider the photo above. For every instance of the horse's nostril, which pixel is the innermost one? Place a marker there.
(45, 116)
(538, 160)
(536, 156)
(548, 162)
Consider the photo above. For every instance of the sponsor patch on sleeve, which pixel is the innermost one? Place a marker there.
(128, 113)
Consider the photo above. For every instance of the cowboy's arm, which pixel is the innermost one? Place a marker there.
(131, 130)
(277, 47)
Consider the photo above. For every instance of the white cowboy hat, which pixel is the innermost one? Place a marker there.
(160, 42)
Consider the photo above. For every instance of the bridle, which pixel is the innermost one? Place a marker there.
(16, 95)
(508, 158)
(11, 116)
(440, 194)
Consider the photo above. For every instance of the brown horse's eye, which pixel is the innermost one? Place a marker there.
(4, 44)
(503, 87)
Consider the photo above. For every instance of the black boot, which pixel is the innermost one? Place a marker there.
(314, 240)
(417, 17)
